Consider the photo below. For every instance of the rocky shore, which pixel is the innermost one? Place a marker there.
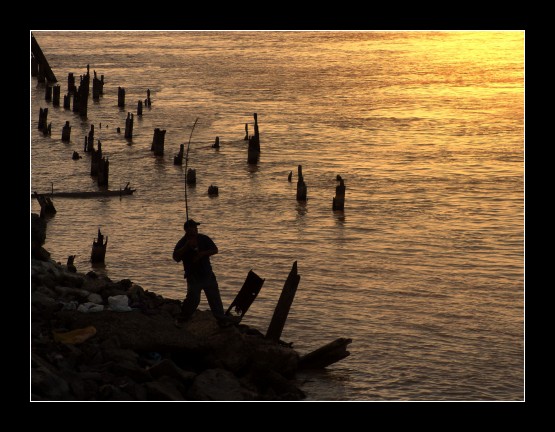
(95, 339)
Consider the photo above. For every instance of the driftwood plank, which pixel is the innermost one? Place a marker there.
(284, 304)
(247, 294)
(326, 355)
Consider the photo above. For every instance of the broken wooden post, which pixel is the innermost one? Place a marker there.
(91, 138)
(121, 97)
(47, 93)
(103, 172)
(75, 155)
(216, 143)
(213, 190)
(43, 118)
(86, 147)
(140, 108)
(129, 126)
(339, 199)
(290, 176)
(48, 131)
(148, 101)
(246, 295)
(83, 91)
(46, 206)
(75, 108)
(178, 159)
(254, 144)
(283, 305)
(326, 355)
(96, 87)
(34, 66)
(301, 186)
(71, 83)
(96, 157)
(56, 95)
(98, 252)
(102, 84)
(158, 142)
(66, 132)
(246, 132)
(191, 176)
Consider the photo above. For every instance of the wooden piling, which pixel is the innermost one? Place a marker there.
(102, 84)
(86, 147)
(46, 206)
(339, 199)
(121, 97)
(301, 185)
(96, 87)
(75, 155)
(216, 143)
(326, 355)
(283, 305)
(91, 139)
(246, 132)
(56, 95)
(75, 107)
(148, 101)
(67, 102)
(191, 176)
(129, 126)
(66, 132)
(98, 252)
(83, 91)
(43, 118)
(48, 130)
(96, 158)
(178, 158)
(71, 89)
(103, 172)
(41, 78)
(158, 142)
(47, 93)
(290, 176)
(254, 144)
(140, 108)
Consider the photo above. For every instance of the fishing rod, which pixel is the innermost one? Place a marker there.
(186, 163)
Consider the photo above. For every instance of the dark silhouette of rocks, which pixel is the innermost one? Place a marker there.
(84, 348)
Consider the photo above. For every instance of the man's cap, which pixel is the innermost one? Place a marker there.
(190, 223)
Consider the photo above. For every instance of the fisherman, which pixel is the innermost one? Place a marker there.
(194, 251)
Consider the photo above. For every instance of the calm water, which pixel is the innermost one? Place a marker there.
(424, 269)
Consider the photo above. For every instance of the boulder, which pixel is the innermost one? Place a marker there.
(217, 385)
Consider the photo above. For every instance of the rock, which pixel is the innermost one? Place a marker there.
(119, 303)
(167, 367)
(46, 382)
(216, 385)
(94, 298)
(164, 389)
(71, 292)
(43, 301)
(90, 307)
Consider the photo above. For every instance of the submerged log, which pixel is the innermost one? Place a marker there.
(94, 194)
(339, 199)
(326, 355)
(284, 304)
(246, 295)
(301, 185)
(98, 252)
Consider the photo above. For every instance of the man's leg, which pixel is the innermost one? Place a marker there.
(192, 299)
(213, 296)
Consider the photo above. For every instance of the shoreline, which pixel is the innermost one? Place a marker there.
(93, 339)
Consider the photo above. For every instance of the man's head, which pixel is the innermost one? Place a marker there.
(190, 226)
